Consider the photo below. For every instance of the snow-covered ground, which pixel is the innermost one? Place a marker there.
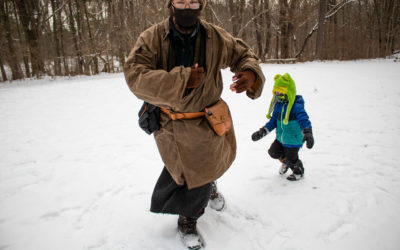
(76, 172)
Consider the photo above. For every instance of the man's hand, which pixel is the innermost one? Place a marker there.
(308, 137)
(196, 76)
(243, 81)
(259, 134)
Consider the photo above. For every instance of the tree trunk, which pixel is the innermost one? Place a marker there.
(208, 13)
(343, 34)
(110, 11)
(12, 55)
(121, 38)
(242, 5)
(234, 17)
(256, 6)
(277, 44)
(396, 24)
(283, 25)
(391, 13)
(290, 27)
(63, 55)
(92, 48)
(335, 28)
(24, 50)
(267, 29)
(79, 60)
(320, 32)
(379, 26)
(29, 14)
(3, 72)
(57, 61)
(79, 27)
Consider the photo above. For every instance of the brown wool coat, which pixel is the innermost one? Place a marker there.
(190, 149)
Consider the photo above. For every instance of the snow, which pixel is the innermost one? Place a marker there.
(76, 171)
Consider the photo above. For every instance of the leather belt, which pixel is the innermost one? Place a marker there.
(182, 116)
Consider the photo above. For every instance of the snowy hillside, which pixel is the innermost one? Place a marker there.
(76, 172)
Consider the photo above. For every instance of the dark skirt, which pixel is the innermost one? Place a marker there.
(170, 198)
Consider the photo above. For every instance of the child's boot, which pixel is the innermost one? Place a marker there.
(284, 167)
(298, 171)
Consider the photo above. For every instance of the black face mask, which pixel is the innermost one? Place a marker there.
(186, 18)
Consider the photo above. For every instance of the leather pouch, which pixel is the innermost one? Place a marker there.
(219, 117)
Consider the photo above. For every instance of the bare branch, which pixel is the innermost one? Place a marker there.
(328, 15)
(215, 15)
(251, 20)
(55, 12)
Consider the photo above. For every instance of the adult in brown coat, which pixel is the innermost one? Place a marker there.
(176, 65)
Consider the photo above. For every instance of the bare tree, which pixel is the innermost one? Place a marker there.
(257, 22)
(92, 49)
(320, 33)
(330, 13)
(29, 14)
(2, 53)
(56, 37)
(75, 37)
(64, 37)
(234, 17)
(14, 65)
(24, 50)
(267, 30)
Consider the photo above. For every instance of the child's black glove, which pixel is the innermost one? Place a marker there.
(308, 137)
(259, 134)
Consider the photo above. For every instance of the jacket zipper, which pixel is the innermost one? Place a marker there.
(283, 108)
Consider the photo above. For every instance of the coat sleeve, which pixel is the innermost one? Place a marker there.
(146, 80)
(302, 117)
(271, 124)
(241, 58)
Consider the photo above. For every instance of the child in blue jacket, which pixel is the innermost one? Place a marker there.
(292, 125)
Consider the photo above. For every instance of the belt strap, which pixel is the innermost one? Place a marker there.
(182, 116)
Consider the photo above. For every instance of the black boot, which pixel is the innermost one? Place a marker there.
(298, 171)
(217, 200)
(188, 232)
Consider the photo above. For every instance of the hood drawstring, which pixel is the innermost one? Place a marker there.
(271, 106)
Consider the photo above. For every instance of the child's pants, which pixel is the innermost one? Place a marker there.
(278, 151)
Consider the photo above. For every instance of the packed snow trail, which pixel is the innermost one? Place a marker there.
(76, 171)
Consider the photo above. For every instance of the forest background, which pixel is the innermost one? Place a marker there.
(87, 37)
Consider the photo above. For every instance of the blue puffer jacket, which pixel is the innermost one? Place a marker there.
(289, 135)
